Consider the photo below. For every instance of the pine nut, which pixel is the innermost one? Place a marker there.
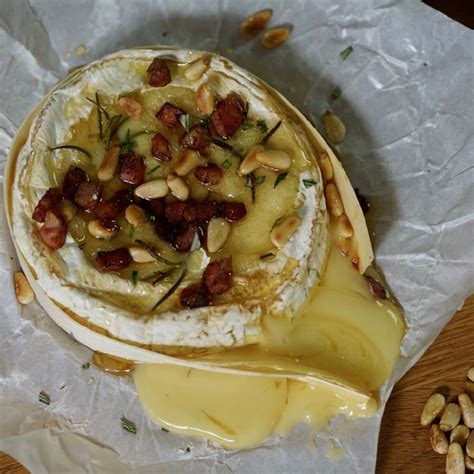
(459, 435)
(275, 159)
(135, 215)
(470, 374)
(455, 460)
(333, 199)
(282, 232)
(467, 409)
(196, 69)
(250, 163)
(255, 23)
(23, 290)
(469, 462)
(178, 187)
(335, 128)
(68, 209)
(131, 107)
(439, 443)
(450, 417)
(153, 189)
(99, 231)
(109, 163)
(217, 233)
(469, 387)
(188, 160)
(140, 255)
(343, 227)
(325, 166)
(275, 37)
(205, 99)
(433, 407)
(470, 445)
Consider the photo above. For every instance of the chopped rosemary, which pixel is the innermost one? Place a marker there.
(163, 275)
(270, 133)
(188, 449)
(226, 164)
(336, 93)
(222, 144)
(155, 254)
(184, 119)
(267, 256)
(281, 177)
(262, 125)
(101, 107)
(128, 425)
(153, 169)
(345, 54)
(260, 180)
(134, 278)
(71, 147)
(44, 398)
(196, 244)
(308, 183)
(131, 231)
(170, 291)
(85, 365)
(127, 144)
(114, 124)
(165, 430)
(99, 116)
(247, 125)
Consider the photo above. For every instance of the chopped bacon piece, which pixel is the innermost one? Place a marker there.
(228, 115)
(160, 147)
(197, 212)
(131, 168)
(197, 138)
(74, 177)
(174, 211)
(51, 198)
(87, 195)
(169, 115)
(184, 240)
(156, 207)
(165, 230)
(158, 73)
(111, 208)
(217, 277)
(233, 211)
(113, 260)
(210, 174)
(54, 230)
(195, 296)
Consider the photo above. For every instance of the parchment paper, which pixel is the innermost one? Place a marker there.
(407, 100)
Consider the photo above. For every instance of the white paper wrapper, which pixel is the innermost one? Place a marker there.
(407, 100)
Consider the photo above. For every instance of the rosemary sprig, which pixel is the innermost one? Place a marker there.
(128, 425)
(128, 143)
(134, 278)
(308, 183)
(115, 123)
(44, 398)
(222, 144)
(99, 117)
(281, 177)
(131, 231)
(100, 106)
(270, 133)
(153, 169)
(163, 275)
(170, 291)
(72, 147)
(155, 254)
(345, 54)
(226, 164)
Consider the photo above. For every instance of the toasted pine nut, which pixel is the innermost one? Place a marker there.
(335, 128)
(131, 107)
(450, 417)
(68, 209)
(188, 160)
(343, 227)
(99, 231)
(23, 290)
(178, 187)
(459, 435)
(140, 255)
(455, 460)
(205, 99)
(282, 232)
(217, 233)
(470, 374)
(469, 462)
(275, 159)
(334, 200)
(469, 387)
(109, 164)
(325, 166)
(255, 23)
(467, 409)
(433, 407)
(470, 445)
(250, 163)
(275, 36)
(135, 215)
(439, 443)
(153, 189)
(196, 69)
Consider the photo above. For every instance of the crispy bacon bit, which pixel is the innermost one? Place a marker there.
(376, 288)
(184, 240)
(54, 229)
(74, 177)
(87, 195)
(131, 168)
(174, 211)
(217, 277)
(113, 260)
(198, 212)
(233, 211)
(195, 296)
(228, 115)
(48, 202)
(197, 138)
(169, 115)
(160, 147)
(108, 210)
(156, 207)
(210, 174)
(158, 73)
(166, 230)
